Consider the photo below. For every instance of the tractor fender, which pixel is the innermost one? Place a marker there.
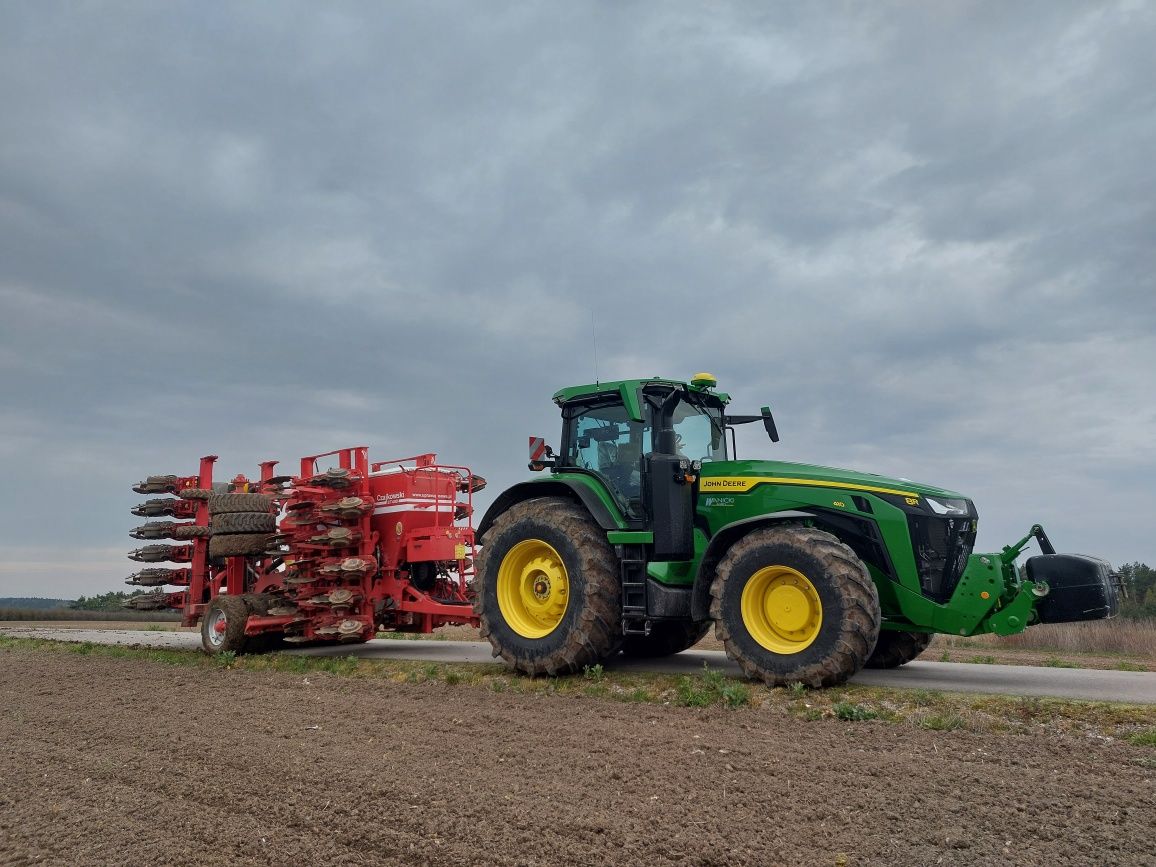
(717, 547)
(598, 510)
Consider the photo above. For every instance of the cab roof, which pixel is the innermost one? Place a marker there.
(630, 391)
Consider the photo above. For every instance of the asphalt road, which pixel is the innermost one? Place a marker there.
(1136, 687)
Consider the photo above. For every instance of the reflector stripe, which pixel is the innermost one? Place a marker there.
(537, 448)
(413, 507)
(742, 484)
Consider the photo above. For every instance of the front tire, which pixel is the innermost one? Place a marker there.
(548, 593)
(795, 605)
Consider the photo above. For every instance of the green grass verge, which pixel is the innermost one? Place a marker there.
(930, 710)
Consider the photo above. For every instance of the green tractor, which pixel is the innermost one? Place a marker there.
(648, 529)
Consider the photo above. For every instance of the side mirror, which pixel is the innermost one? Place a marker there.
(769, 424)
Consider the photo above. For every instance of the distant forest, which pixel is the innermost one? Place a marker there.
(35, 603)
(1141, 583)
(106, 606)
(112, 601)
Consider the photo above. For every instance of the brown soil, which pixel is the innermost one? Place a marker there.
(118, 761)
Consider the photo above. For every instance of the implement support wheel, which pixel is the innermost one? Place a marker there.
(794, 604)
(223, 625)
(548, 588)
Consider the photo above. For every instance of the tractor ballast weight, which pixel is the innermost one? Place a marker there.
(808, 573)
(332, 554)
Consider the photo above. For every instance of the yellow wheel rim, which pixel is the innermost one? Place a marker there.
(781, 609)
(533, 588)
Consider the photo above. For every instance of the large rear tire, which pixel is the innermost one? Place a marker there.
(897, 648)
(234, 544)
(244, 522)
(667, 637)
(223, 503)
(795, 605)
(548, 593)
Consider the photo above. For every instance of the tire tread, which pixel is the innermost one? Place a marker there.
(853, 583)
(594, 635)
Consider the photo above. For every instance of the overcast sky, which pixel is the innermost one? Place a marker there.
(925, 233)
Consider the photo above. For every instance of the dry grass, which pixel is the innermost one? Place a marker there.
(25, 614)
(1124, 637)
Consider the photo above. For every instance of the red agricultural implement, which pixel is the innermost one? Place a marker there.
(343, 549)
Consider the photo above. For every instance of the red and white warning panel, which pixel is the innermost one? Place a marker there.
(540, 453)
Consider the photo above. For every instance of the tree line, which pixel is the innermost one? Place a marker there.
(112, 601)
(1141, 583)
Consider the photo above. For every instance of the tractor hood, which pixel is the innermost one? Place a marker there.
(740, 476)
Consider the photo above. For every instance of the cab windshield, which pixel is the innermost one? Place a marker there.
(698, 431)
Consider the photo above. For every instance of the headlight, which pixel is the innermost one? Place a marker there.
(947, 507)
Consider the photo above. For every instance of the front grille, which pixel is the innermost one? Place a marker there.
(941, 547)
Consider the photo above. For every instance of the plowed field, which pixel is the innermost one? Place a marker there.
(122, 761)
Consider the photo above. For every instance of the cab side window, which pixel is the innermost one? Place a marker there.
(606, 441)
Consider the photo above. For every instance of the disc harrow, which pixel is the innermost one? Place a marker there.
(332, 554)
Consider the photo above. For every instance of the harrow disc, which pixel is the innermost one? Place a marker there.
(153, 530)
(148, 602)
(155, 508)
(337, 537)
(348, 507)
(337, 477)
(155, 553)
(351, 627)
(156, 577)
(350, 566)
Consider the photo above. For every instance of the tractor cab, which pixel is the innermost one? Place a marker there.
(645, 441)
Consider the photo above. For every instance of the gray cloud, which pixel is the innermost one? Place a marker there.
(924, 233)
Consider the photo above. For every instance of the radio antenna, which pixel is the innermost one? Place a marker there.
(594, 343)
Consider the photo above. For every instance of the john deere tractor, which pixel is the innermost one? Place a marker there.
(647, 530)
